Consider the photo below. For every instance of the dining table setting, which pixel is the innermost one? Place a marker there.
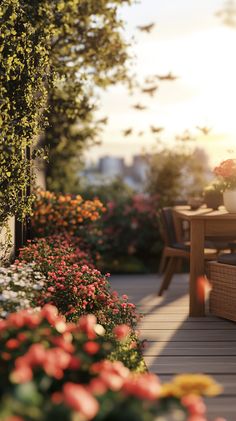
(204, 224)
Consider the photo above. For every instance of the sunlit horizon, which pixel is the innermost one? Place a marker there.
(194, 45)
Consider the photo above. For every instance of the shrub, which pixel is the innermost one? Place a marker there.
(57, 214)
(53, 370)
(74, 287)
(131, 232)
(53, 251)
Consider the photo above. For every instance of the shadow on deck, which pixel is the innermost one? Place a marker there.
(177, 343)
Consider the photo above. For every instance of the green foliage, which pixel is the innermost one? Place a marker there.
(115, 190)
(26, 33)
(176, 174)
(129, 352)
(51, 55)
(90, 47)
(131, 239)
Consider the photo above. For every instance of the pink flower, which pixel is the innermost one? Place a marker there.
(112, 374)
(21, 374)
(194, 405)
(36, 354)
(87, 324)
(146, 386)
(80, 399)
(121, 332)
(50, 313)
(55, 362)
(97, 386)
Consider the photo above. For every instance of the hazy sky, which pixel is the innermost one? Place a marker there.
(190, 41)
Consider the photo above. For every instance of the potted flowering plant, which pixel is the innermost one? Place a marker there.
(226, 172)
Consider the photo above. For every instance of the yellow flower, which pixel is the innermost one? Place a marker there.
(185, 384)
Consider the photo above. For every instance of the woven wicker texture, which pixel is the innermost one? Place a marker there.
(223, 294)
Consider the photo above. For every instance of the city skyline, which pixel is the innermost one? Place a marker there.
(191, 42)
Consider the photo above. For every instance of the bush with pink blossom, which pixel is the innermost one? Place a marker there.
(55, 370)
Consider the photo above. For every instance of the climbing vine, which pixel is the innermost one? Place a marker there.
(51, 51)
(25, 74)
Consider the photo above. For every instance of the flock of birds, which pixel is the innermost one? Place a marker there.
(150, 89)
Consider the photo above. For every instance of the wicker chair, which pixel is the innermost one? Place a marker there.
(174, 252)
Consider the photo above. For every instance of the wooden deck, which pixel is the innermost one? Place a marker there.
(181, 344)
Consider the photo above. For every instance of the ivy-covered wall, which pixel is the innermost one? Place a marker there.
(25, 72)
(49, 47)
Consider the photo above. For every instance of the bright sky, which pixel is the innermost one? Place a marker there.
(192, 43)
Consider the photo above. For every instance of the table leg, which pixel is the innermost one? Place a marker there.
(197, 307)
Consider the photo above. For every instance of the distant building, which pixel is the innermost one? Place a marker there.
(109, 168)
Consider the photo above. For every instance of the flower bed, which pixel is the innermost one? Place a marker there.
(53, 370)
(77, 288)
(69, 364)
(116, 235)
(71, 216)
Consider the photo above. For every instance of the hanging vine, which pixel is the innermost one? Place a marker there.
(25, 74)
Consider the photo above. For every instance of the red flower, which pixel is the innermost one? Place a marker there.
(121, 332)
(12, 344)
(91, 347)
(80, 399)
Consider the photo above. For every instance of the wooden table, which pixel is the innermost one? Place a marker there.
(204, 224)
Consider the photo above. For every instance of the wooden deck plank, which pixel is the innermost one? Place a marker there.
(172, 317)
(166, 349)
(195, 364)
(190, 335)
(186, 325)
(178, 344)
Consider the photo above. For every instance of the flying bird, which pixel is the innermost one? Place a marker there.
(150, 91)
(103, 120)
(146, 28)
(185, 137)
(127, 132)
(156, 129)
(205, 130)
(168, 76)
(150, 79)
(139, 107)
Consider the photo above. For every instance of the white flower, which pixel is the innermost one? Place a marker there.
(19, 287)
